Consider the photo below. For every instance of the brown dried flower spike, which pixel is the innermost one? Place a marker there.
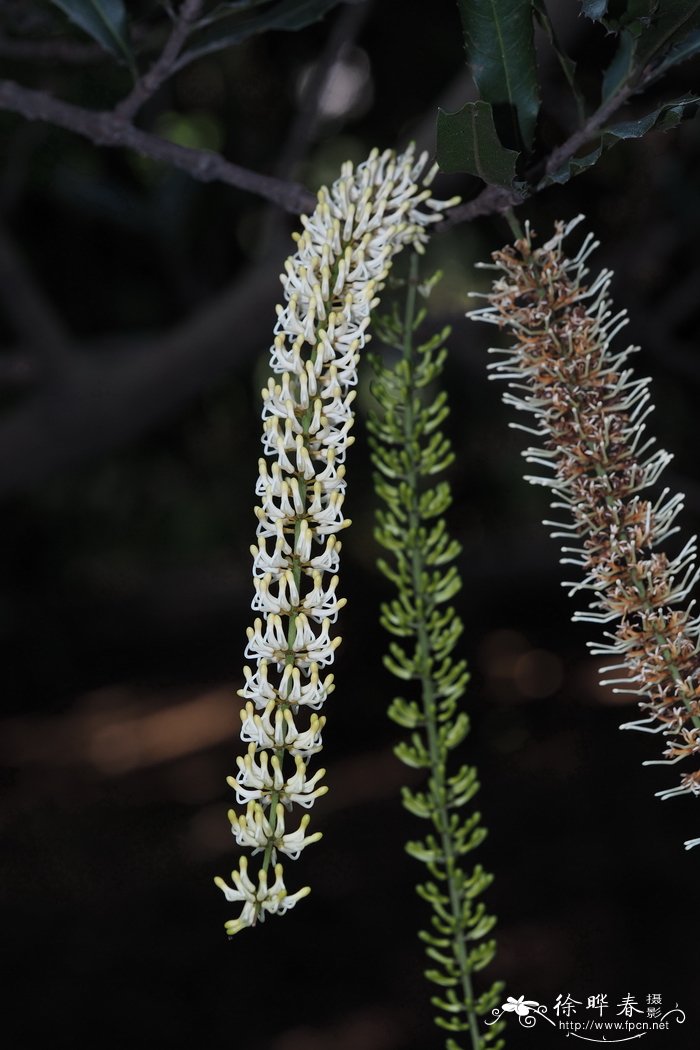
(590, 416)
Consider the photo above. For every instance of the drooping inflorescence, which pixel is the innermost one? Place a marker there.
(330, 287)
(590, 414)
(410, 452)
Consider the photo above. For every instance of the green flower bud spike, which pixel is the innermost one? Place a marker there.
(409, 452)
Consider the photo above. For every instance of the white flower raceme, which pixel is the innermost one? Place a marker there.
(330, 287)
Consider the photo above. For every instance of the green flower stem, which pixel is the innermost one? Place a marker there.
(409, 451)
(437, 786)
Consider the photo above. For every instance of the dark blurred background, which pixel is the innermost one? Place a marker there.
(129, 440)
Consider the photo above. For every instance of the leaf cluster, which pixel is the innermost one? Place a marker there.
(409, 451)
(495, 138)
(221, 24)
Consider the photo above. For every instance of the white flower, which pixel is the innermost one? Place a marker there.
(330, 287)
(253, 830)
(261, 777)
(275, 729)
(257, 901)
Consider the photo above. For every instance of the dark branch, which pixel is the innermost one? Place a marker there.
(106, 396)
(493, 200)
(108, 129)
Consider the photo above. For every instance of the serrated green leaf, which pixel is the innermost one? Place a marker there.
(574, 166)
(666, 116)
(621, 67)
(500, 46)
(467, 141)
(234, 28)
(653, 38)
(105, 21)
(635, 15)
(685, 48)
(639, 14)
(673, 21)
(594, 9)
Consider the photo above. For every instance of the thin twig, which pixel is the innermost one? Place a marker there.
(345, 30)
(112, 391)
(591, 127)
(107, 129)
(493, 200)
(146, 86)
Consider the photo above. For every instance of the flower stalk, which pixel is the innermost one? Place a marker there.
(408, 451)
(590, 412)
(331, 285)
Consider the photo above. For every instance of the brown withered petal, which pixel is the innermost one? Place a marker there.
(589, 421)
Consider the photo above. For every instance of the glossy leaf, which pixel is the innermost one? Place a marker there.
(653, 37)
(639, 13)
(594, 9)
(237, 26)
(468, 141)
(573, 166)
(636, 16)
(499, 41)
(621, 66)
(686, 48)
(661, 119)
(104, 20)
